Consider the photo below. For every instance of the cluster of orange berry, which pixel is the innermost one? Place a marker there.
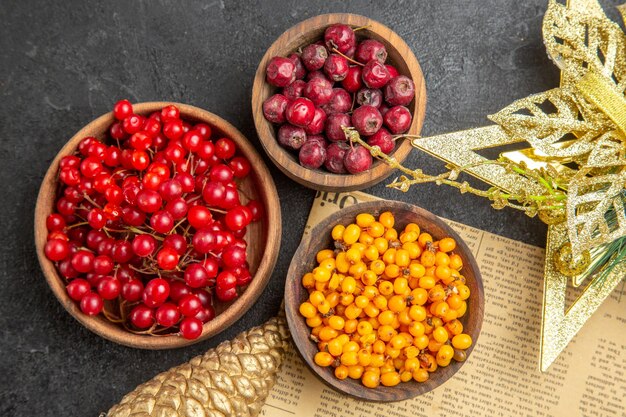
(384, 307)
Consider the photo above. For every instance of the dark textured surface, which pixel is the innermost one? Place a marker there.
(63, 63)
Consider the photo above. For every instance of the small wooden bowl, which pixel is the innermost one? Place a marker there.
(304, 261)
(263, 236)
(309, 31)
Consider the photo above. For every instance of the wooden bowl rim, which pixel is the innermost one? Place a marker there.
(272, 224)
(296, 323)
(322, 180)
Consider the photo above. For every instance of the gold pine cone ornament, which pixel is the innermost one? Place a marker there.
(233, 379)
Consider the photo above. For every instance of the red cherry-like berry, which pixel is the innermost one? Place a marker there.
(275, 106)
(340, 37)
(375, 74)
(280, 71)
(398, 119)
(190, 328)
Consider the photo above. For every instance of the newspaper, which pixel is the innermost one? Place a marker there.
(501, 377)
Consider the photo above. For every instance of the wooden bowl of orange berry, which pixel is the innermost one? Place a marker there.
(384, 301)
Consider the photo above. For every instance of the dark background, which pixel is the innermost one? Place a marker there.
(64, 63)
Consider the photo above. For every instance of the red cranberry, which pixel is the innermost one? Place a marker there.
(312, 154)
(314, 56)
(144, 245)
(78, 288)
(162, 221)
(91, 304)
(56, 249)
(122, 109)
(300, 112)
(294, 90)
(334, 124)
(196, 276)
(393, 72)
(291, 136)
(132, 290)
(367, 120)
(142, 316)
(357, 159)
(317, 124)
(352, 83)
(334, 157)
(370, 49)
(383, 140)
(299, 67)
(340, 37)
(336, 67)
(399, 91)
(167, 315)
(371, 96)
(340, 102)
(109, 288)
(375, 74)
(319, 91)
(398, 119)
(156, 292)
(280, 72)
(190, 328)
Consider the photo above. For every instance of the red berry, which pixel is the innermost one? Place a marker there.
(192, 140)
(117, 131)
(167, 259)
(144, 245)
(240, 166)
(398, 119)
(196, 276)
(140, 141)
(369, 96)
(178, 289)
(293, 91)
(140, 160)
(399, 91)
(336, 67)
(291, 136)
(370, 49)
(167, 315)
(221, 173)
(318, 90)
(122, 251)
(299, 67)
(226, 294)
(189, 305)
(177, 208)
(375, 74)
(317, 124)
(340, 37)
(335, 154)
(132, 124)
(280, 71)
(82, 261)
(206, 314)
(314, 56)
(149, 201)
(96, 218)
(204, 130)
(173, 130)
(274, 108)
(56, 249)
(176, 242)
(300, 111)
(91, 304)
(357, 159)
(236, 219)
(393, 72)
(199, 216)
(169, 113)
(142, 317)
(334, 124)
(312, 154)
(352, 83)
(367, 120)
(70, 175)
(109, 288)
(102, 265)
(156, 292)
(214, 193)
(383, 140)
(162, 221)
(340, 102)
(225, 148)
(77, 289)
(234, 256)
(256, 208)
(132, 290)
(190, 328)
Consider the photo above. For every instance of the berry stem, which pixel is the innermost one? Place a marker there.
(335, 50)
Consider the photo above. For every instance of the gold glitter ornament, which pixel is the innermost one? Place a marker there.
(233, 379)
(569, 265)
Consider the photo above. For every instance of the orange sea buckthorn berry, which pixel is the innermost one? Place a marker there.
(314, 321)
(444, 355)
(404, 318)
(441, 309)
(385, 318)
(380, 301)
(364, 219)
(353, 255)
(390, 379)
(424, 239)
(334, 347)
(341, 263)
(378, 347)
(441, 258)
(450, 315)
(417, 270)
(364, 357)
(413, 249)
(419, 296)
(392, 352)
(455, 327)
(361, 301)
(341, 372)
(371, 310)
(351, 234)
(377, 266)
(456, 262)
(385, 288)
(440, 334)
(308, 280)
(396, 303)
(337, 232)
(462, 341)
(364, 327)
(409, 236)
(366, 239)
(376, 230)
(349, 358)
(402, 258)
(417, 313)
(369, 278)
(416, 329)
(428, 362)
(351, 346)
(370, 292)
(427, 258)
(398, 342)
(421, 342)
(316, 297)
(381, 244)
(357, 270)
(392, 271)
(370, 379)
(336, 322)
(371, 253)
(411, 352)
(307, 310)
(460, 312)
(333, 298)
(420, 375)
(389, 257)
(447, 244)
(352, 311)
(324, 307)
(348, 285)
(355, 371)
(385, 333)
(436, 293)
(346, 299)
(464, 292)
(406, 376)
(411, 364)
(387, 219)
(444, 273)
(324, 254)
(321, 274)
(328, 333)
(391, 235)
(324, 359)
(427, 282)
(350, 326)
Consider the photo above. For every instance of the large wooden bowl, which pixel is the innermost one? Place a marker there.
(263, 236)
(312, 30)
(304, 261)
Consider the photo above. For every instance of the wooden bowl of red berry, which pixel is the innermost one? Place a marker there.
(157, 225)
(384, 301)
(329, 72)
